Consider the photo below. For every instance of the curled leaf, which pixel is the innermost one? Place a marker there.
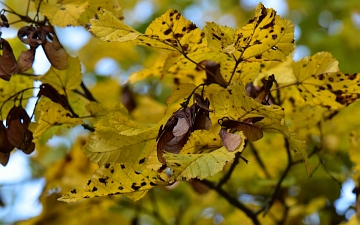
(251, 132)
(17, 123)
(54, 51)
(26, 59)
(8, 64)
(5, 146)
(231, 141)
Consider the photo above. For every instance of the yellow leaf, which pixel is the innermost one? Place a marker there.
(266, 37)
(108, 27)
(10, 88)
(201, 141)
(94, 5)
(96, 109)
(192, 162)
(64, 80)
(174, 32)
(118, 138)
(66, 13)
(117, 178)
(321, 83)
(235, 103)
(52, 114)
(245, 72)
(218, 37)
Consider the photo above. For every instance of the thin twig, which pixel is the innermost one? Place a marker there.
(259, 160)
(227, 176)
(233, 201)
(88, 94)
(275, 194)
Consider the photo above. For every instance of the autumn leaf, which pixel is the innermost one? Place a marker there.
(64, 13)
(118, 138)
(218, 37)
(52, 114)
(320, 81)
(117, 178)
(266, 37)
(64, 80)
(12, 88)
(201, 157)
(233, 102)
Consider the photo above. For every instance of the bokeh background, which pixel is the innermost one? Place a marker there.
(320, 25)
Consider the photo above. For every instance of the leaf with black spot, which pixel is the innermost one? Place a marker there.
(123, 180)
(266, 37)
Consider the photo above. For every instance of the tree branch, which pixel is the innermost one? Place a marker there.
(227, 176)
(275, 194)
(233, 201)
(258, 159)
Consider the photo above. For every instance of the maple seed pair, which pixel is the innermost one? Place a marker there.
(15, 134)
(46, 37)
(181, 124)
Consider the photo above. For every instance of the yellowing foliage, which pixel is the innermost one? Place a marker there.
(233, 95)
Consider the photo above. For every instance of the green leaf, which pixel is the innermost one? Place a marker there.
(64, 80)
(117, 178)
(201, 157)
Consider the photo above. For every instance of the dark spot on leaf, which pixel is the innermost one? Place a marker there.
(183, 29)
(137, 172)
(141, 161)
(258, 57)
(103, 180)
(143, 184)
(217, 37)
(329, 86)
(88, 183)
(191, 27)
(274, 36)
(152, 184)
(120, 188)
(134, 187)
(112, 171)
(177, 164)
(73, 191)
(321, 77)
(94, 189)
(107, 165)
(331, 79)
(257, 42)
(87, 196)
(178, 35)
(122, 166)
(168, 31)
